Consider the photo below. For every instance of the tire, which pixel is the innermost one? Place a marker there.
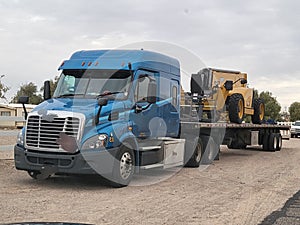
(266, 142)
(210, 150)
(195, 160)
(273, 139)
(279, 142)
(259, 111)
(123, 167)
(236, 108)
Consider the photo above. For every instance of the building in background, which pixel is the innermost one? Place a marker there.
(12, 115)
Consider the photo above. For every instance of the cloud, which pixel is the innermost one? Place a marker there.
(260, 38)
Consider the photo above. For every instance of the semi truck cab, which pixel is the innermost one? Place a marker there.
(111, 113)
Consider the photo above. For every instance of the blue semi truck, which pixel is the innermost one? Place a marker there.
(115, 112)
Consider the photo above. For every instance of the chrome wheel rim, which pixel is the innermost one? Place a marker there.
(126, 165)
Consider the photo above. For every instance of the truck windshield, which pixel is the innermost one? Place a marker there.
(93, 83)
(297, 123)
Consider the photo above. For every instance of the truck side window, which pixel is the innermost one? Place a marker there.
(141, 90)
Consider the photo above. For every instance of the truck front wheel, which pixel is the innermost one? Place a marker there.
(123, 166)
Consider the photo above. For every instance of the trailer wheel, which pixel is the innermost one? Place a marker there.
(123, 166)
(273, 142)
(236, 108)
(195, 160)
(279, 142)
(210, 150)
(259, 111)
(266, 142)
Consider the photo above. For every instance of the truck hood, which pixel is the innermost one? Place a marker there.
(88, 107)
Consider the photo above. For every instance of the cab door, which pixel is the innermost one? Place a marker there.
(145, 115)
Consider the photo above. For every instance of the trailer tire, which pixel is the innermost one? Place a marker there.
(236, 108)
(259, 111)
(266, 142)
(124, 165)
(210, 150)
(196, 157)
(279, 142)
(273, 139)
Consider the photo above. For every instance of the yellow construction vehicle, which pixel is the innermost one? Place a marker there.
(227, 91)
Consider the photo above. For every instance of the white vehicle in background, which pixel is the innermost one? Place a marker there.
(295, 129)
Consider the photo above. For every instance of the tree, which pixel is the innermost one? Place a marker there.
(294, 111)
(29, 90)
(3, 90)
(272, 107)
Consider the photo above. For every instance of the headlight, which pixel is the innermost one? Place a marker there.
(293, 129)
(95, 142)
(20, 138)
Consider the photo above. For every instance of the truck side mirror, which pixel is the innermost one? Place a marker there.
(152, 92)
(228, 85)
(102, 101)
(47, 91)
(24, 100)
(244, 81)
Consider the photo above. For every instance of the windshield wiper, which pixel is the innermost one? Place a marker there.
(109, 93)
(68, 95)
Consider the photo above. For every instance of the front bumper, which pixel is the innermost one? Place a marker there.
(98, 161)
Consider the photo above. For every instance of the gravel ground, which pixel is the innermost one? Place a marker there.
(244, 187)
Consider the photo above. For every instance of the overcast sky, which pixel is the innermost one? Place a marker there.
(258, 37)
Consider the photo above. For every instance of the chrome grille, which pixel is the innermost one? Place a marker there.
(43, 134)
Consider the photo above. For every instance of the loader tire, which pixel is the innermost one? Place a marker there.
(259, 111)
(236, 108)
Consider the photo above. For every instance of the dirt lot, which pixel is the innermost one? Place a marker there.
(242, 188)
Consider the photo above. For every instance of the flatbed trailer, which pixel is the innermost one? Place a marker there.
(209, 137)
